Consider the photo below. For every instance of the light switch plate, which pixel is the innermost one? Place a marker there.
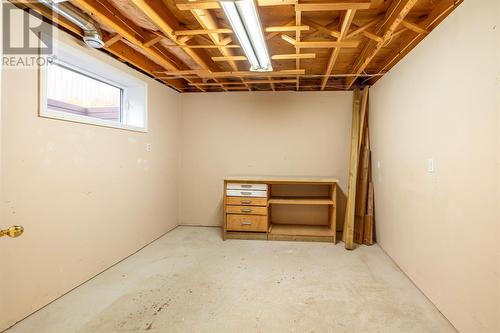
(430, 165)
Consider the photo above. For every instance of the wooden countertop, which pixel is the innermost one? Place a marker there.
(282, 179)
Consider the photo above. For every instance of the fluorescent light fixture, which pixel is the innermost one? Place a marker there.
(244, 19)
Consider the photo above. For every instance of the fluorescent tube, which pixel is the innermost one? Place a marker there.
(244, 19)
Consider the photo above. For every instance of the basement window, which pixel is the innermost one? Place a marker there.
(79, 87)
(76, 93)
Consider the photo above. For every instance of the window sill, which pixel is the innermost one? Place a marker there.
(51, 114)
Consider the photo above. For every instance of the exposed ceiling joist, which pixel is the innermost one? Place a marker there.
(363, 28)
(321, 44)
(238, 74)
(298, 22)
(111, 40)
(202, 32)
(211, 4)
(347, 18)
(291, 56)
(395, 14)
(286, 28)
(413, 27)
(268, 81)
(321, 28)
(332, 6)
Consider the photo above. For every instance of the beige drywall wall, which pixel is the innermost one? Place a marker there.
(87, 196)
(1, 66)
(258, 133)
(442, 228)
(497, 29)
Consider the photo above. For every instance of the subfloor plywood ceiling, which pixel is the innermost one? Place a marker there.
(314, 44)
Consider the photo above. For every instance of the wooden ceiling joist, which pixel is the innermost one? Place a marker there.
(239, 74)
(394, 16)
(211, 4)
(271, 35)
(298, 22)
(332, 6)
(199, 46)
(293, 56)
(321, 28)
(347, 18)
(285, 28)
(321, 44)
(152, 41)
(111, 40)
(237, 88)
(230, 58)
(202, 32)
(271, 84)
(274, 57)
(363, 28)
(413, 27)
(270, 81)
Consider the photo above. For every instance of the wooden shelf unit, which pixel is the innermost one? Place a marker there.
(300, 201)
(250, 203)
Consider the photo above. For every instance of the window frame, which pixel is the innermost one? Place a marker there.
(66, 56)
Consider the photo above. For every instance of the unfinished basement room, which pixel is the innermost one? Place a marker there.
(260, 166)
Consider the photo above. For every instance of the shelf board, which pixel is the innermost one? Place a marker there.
(283, 180)
(301, 201)
(301, 230)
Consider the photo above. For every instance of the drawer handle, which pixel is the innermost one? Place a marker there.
(246, 193)
(246, 202)
(246, 185)
(246, 210)
(246, 223)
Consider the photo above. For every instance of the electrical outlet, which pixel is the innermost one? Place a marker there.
(148, 147)
(430, 165)
(378, 164)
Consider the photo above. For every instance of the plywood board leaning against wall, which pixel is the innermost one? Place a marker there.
(359, 222)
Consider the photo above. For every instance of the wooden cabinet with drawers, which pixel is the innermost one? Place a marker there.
(275, 208)
(245, 207)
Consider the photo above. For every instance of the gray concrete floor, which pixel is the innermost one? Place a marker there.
(192, 281)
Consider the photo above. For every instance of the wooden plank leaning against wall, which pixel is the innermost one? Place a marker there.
(359, 220)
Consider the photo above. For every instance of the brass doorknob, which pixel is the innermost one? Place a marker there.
(14, 231)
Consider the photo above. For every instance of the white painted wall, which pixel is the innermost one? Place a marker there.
(442, 228)
(87, 196)
(259, 133)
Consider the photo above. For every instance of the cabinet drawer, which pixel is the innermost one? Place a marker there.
(246, 210)
(246, 222)
(246, 201)
(246, 193)
(239, 186)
